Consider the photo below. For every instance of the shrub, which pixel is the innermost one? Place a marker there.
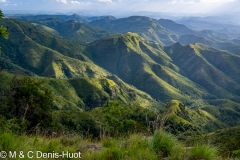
(236, 153)
(137, 147)
(203, 151)
(166, 145)
(3, 122)
(162, 143)
(27, 98)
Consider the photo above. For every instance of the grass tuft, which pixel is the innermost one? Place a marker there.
(203, 151)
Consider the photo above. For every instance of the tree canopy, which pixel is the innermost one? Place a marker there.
(29, 99)
(3, 29)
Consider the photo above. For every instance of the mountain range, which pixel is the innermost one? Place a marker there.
(136, 60)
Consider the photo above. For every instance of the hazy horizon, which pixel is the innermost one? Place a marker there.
(118, 7)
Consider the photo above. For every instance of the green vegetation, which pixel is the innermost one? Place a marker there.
(3, 29)
(190, 73)
(167, 32)
(26, 103)
(146, 27)
(226, 139)
(88, 93)
(119, 131)
(190, 121)
(113, 98)
(204, 152)
(166, 145)
(135, 146)
(74, 31)
(119, 119)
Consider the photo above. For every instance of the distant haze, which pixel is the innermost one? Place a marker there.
(104, 6)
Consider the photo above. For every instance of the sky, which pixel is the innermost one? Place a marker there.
(123, 6)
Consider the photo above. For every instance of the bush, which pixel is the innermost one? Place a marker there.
(203, 151)
(236, 153)
(166, 145)
(27, 98)
(134, 147)
(78, 122)
(137, 147)
(3, 123)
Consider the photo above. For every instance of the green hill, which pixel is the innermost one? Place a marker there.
(167, 32)
(184, 30)
(185, 119)
(175, 27)
(29, 17)
(201, 64)
(46, 55)
(101, 88)
(86, 93)
(138, 63)
(31, 51)
(216, 43)
(213, 34)
(71, 29)
(187, 73)
(163, 31)
(146, 27)
(76, 17)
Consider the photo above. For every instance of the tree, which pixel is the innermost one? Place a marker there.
(121, 119)
(27, 98)
(3, 29)
(3, 34)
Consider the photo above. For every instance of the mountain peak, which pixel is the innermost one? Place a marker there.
(166, 21)
(177, 44)
(131, 34)
(175, 27)
(75, 15)
(140, 18)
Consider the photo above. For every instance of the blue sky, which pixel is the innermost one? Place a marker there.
(111, 6)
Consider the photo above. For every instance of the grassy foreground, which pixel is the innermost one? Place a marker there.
(134, 147)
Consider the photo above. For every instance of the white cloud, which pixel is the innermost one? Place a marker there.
(176, 1)
(62, 1)
(199, 1)
(3, 1)
(75, 2)
(217, 1)
(83, 3)
(105, 1)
